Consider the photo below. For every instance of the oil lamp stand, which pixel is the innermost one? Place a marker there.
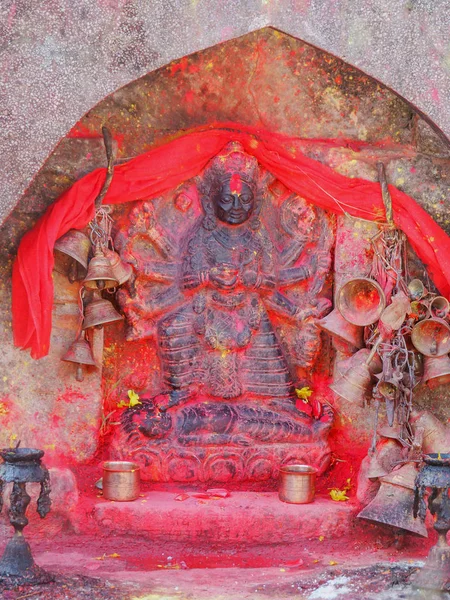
(22, 466)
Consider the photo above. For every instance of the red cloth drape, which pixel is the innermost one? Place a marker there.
(163, 168)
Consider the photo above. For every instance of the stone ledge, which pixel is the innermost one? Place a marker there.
(243, 518)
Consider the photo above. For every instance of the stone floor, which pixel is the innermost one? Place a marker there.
(380, 581)
(247, 545)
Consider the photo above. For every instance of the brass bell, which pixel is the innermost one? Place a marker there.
(361, 301)
(381, 462)
(100, 274)
(431, 337)
(439, 307)
(436, 436)
(355, 385)
(100, 312)
(436, 371)
(80, 353)
(393, 504)
(71, 254)
(375, 365)
(335, 324)
(416, 290)
(376, 468)
(122, 271)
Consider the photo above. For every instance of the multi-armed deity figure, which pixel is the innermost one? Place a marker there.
(233, 307)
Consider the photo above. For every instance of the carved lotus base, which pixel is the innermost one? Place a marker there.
(167, 462)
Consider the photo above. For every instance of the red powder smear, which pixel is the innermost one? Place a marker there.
(81, 131)
(181, 66)
(189, 96)
(235, 184)
(71, 396)
(435, 95)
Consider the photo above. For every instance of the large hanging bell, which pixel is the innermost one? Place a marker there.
(100, 274)
(355, 385)
(361, 301)
(99, 312)
(80, 353)
(335, 324)
(122, 271)
(436, 371)
(71, 254)
(431, 337)
(393, 504)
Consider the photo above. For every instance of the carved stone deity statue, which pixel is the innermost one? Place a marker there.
(233, 307)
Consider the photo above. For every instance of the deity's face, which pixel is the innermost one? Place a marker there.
(234, 201)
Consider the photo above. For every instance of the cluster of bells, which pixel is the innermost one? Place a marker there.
(105, 270)
(393, 503)
(360, 303)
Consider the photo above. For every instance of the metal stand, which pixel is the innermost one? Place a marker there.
(22, 466)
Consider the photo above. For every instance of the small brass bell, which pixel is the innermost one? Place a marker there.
(100, 274)
(355, 385)
(100, 312)
(431, 337)
(71, 254)
(393, 504)
(122, 271)
(335, 324)
(80, 353)
(439, 307)
(361, 301)
(436, 371)
(416, 290)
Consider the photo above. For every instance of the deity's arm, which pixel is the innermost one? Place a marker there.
(285, 307)
(290, 253)
(142, 304)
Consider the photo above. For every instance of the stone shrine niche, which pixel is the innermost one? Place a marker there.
(230, 277)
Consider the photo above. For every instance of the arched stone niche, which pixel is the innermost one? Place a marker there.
(264, 79)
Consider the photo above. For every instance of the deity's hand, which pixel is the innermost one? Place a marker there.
(224, 275)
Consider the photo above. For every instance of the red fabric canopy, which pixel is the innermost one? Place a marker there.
(165, 167)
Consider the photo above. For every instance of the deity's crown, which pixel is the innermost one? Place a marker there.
(234, 160)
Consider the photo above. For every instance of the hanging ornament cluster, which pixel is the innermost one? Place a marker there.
(398, 331)
(93, 261)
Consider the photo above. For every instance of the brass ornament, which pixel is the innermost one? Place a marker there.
(80, 353)
(71, 254)
(100, 312)
(361, 301)
(100, 274)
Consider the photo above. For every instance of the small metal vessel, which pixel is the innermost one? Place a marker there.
(121, 480)
(297, 484)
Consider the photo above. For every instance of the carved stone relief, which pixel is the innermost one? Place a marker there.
(232, 298)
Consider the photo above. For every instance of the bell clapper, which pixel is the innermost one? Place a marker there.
(79, 373)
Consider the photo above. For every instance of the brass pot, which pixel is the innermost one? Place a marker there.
(121, 480)
(297, 484)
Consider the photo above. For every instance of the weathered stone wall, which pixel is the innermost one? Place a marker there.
(61, 58)
(265, 79)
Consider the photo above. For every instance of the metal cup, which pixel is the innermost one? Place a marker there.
(297, 484)
(121, 481)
